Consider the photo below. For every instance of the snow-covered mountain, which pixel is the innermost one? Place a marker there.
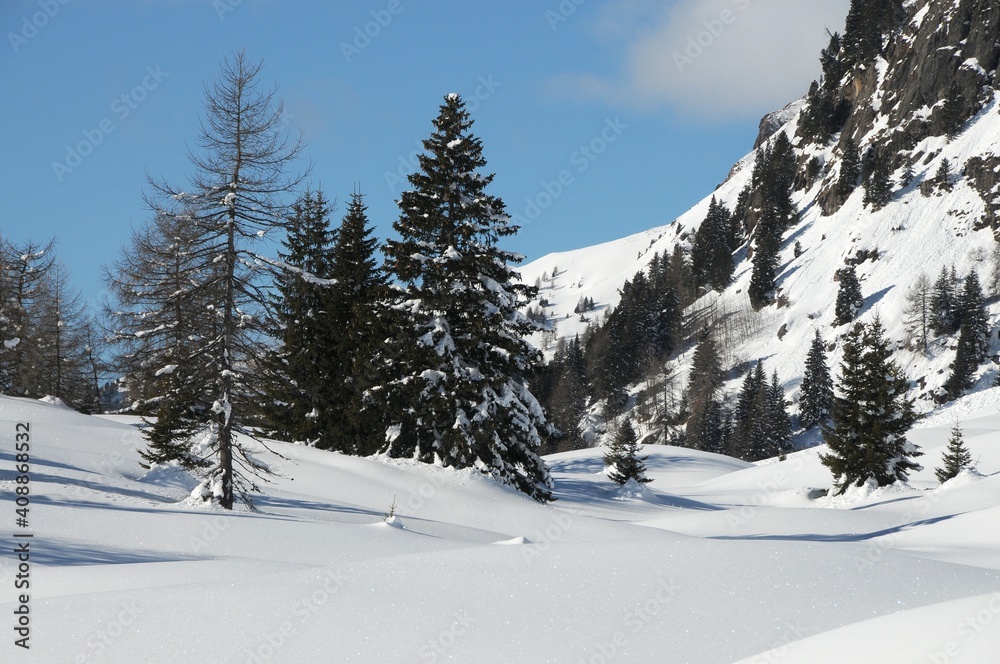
(896, 106)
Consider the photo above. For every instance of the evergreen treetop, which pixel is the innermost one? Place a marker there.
(871, 415)
(816, 401)
(458, 394)
(622, 457)
(956, 458)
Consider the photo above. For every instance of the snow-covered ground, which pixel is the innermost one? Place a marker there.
(715, 561)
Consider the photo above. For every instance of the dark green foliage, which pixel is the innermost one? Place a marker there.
(298, 394)
(777, 422)
(907, 177)
(749, 406)
(973, 343)
(622, 457)
(706, 424)
(765, 266)
(171, 436)
(945, 312)
(849, 298)
(769, 212)
(871, 415)
(951, 118)
(868, 22)
(562, 387)
(761, 427)
(357, 320)
(943, 176)
(826, 109)
(957, 457)
(878, 186)
(584, 305)
(816, 400)
(712, 249)
(850, 168)
(643, 330)
(457, 393)
(50, 343)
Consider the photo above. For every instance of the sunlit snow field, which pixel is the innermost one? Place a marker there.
(715, 561)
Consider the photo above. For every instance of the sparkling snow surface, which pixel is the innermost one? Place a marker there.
(715, 561)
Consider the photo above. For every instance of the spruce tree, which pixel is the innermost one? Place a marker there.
(712, 250)
(778, 425)
(950, 118)
(746, 414)
(945, 313)
(298, 393)
(705, 425)
(956, 458)
(907, 177)
(943, 176)
(622, 457)
(878, 186)
(850, 168)
(849, 298)
(816, 400)
(458, 395)
(871, 415)
(973, 343)
(765, 262)
(358, 319)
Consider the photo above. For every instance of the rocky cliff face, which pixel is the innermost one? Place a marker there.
(940, 49)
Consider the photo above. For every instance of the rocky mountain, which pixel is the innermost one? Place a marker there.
(911, 92)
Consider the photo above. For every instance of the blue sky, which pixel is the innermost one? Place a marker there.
(600, 119)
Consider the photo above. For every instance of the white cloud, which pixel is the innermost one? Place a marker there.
(712, 58)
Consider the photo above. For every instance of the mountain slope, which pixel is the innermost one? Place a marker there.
(922, 229)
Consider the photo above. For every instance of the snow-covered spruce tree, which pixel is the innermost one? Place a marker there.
(973, 342)
(711, 253)
(950, 119)
(849, 298)
(945, 311)
(298, 390)
(358, 317)
(743, 439)
(237, 193)
(956, 458)
(622, 457)
(705, 426)
(765, 262)
(457, 395)
(878, 186)
(871, 415)
(850, 169)
(943, 176)
(816, 400)
(777, 423)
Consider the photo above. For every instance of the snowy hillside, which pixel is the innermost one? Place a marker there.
(716, 561)
(922, 229)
